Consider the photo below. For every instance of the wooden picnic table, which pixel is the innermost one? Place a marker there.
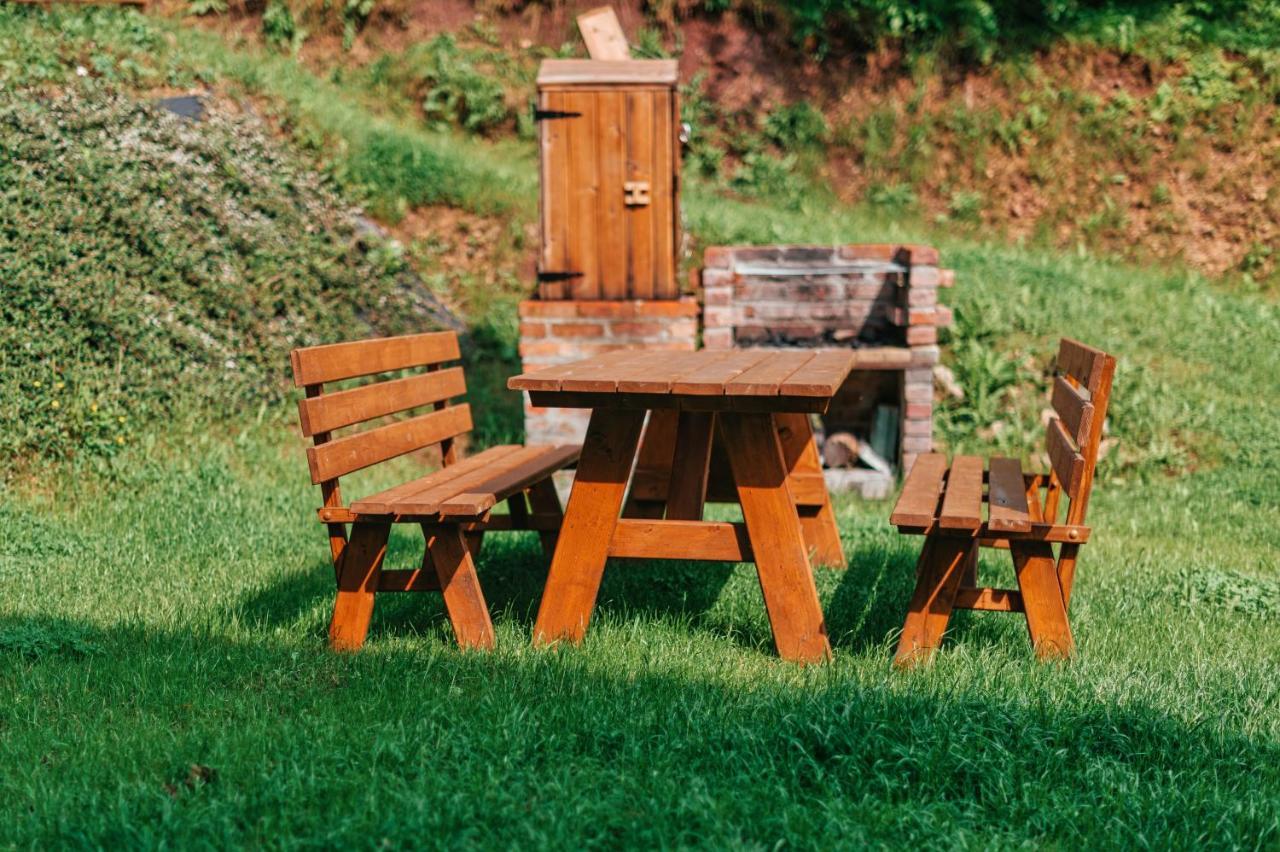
(745, 399)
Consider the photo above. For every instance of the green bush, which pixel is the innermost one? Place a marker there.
(152, 262)
(797, 125)
(456, 92)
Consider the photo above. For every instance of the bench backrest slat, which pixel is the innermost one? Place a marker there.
(341, 456)
(320, 364)
(1080, 396)
(321, 413)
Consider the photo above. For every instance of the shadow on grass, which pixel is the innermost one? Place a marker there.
(251, 741)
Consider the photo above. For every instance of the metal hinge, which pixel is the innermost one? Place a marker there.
(557, 276)
(545, 114)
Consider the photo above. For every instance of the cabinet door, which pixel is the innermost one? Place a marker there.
(554, 271)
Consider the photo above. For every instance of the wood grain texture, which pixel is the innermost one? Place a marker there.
(337, 361)
(962, 501)
(1007, 509)
(358, 578)
(603, 34)
(665, 285)
(430, 501)
(1082, 362)
(938, 575)
(767, 375)
(1065, 460)
(714, 370)
(640, 167)
(917, 506)
(1076, 411)
(692, 460)
(554, 207)
(363, 449)
(1042, 600)
(584, 190)
(808, 489)
(704, 540)
(589, 521)
(384, 502)
(653, 466)
(545, 502)
(822, 375)
(330, 411)
(786, 579)
(656, 72)
(610, 223)
(463, 598)
(990, 600)
(504, 483)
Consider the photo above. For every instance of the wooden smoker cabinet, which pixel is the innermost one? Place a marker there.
(610, 170)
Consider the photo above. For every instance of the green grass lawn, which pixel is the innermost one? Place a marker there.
(173, 617)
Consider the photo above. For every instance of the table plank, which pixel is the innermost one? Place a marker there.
(962, 502)
(655, 374)
(551, 378)
(710, 378)
(768, 375)
(821, 376)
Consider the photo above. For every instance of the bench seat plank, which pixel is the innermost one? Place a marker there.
(483, 497)
(382, 502)
(1007, 508)
(962, 502)
(918, 504)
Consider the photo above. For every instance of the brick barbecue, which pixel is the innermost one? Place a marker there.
(881, 300)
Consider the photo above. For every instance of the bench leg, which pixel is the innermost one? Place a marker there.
(782, 560)
(1042, 597)
(463, 597)
(545, 501)
(657, 449)
(687, 492)
(942, 565)
(358, 572)
(1067, 571)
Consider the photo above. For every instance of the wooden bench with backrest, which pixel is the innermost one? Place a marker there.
(1024, 514)
(452, 504)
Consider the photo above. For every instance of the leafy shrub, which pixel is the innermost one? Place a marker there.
(216, 253)
(456, 92)
(765, 176)
(899, 196)
(797, 125)
(279, 27)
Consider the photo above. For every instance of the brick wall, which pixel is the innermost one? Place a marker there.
(881, 300)
(556, 332)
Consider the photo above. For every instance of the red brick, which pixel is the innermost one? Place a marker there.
(917, 376)
(944, 317)
(918, 297)
(868, 251)
(538, 308)
(717, 296)
(685, 306)
(607, 309)
(533, 329)
(717, 277)
(924, 276)
(918, 427)
(576, 329)
(922, 356)
(946, 278)
(922, 255)
(918, 410)
(921, 335)
(544, 347)
(714, 317)
(916, 444)
(638, 329)
(718, 256)
(917, 393)
(717, 338)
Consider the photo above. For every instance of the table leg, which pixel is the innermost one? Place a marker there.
(818, 522)
(657, 448)
(773, 525)
(589, 521)
(687, 492)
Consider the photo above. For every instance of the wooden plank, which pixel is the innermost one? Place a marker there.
(1042, 599)
(359, 574)
(917, 506)
(653, 464)
(768, 374)
(331, 411)
(603, 34)
(410, 580)
(782, 562)
(804, 473)
(1076, 411)
(353, 452)
(384, 502)
(551, 378)
(554, 210)
(584, 187)
(654, 371)
(315, 365)
(715, 370)
(662, 193)
(938, 574)
(589, 521)
(1081, 361)
(990, 600)
(712, 541)
(1065, 460)
(1007, 508)
(962, 502)
(821, 376)
(463, 598)
(687, 493)
(611, 260)
(430, 500)
(480, 498)
(640, 259)
(664, 72)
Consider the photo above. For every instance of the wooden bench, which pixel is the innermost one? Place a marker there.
(1024, 514)
(452, 504)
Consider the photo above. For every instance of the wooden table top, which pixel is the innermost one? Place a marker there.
(813, 373)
